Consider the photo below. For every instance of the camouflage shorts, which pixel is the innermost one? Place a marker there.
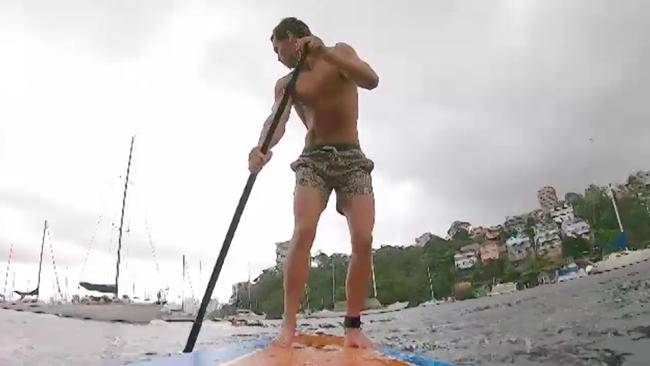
(343, 168)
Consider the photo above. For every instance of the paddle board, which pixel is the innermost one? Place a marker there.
(308, 349)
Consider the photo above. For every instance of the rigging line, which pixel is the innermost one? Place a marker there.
(189, 279)
(153, 251)
(90, 247)
(56, 274)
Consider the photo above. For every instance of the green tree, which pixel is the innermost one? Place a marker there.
(576, 247)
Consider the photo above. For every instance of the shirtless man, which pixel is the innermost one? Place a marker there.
(325, 98)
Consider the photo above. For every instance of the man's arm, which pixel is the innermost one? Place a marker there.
(279, 131)
(352, 67)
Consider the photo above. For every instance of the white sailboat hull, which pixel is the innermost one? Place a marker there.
(127, 313)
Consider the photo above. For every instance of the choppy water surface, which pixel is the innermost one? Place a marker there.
(600, 320)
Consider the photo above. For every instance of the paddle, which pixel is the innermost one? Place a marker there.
(196, 327)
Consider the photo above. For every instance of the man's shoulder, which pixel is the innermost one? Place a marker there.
(282, 82)
(343, 47)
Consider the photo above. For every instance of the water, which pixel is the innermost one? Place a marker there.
(599, 320)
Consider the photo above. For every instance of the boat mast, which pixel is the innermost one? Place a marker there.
(11, 251)
(374, 282)
(40, 262)
(119, 240)
(183, 287)
(430, 284)
(618, 216)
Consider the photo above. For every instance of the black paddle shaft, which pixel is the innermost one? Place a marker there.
(196, 327)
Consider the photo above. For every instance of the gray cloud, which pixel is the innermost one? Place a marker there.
(484, 103)
(116, 29)
(80, 231)
(481, 103)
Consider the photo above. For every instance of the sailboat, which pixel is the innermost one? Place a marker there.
(179, 315)
(103, 308)
(113, 308)
(35, 292)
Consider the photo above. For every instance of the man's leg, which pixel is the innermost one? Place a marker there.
(308, 205)
(360, 213)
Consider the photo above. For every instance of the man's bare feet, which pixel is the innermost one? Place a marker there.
(355, 338)
(285, 337)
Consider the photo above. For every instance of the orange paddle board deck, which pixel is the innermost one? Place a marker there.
(315, 350)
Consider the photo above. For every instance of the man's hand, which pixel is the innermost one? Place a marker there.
(257, 160)
(314, 44)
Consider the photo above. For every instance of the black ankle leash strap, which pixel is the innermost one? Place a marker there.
(352, 322)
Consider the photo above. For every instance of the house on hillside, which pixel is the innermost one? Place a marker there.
(478, 233)
(467, 257)
(577, 228)
(494, 232)
(516, 223)
(489, 250)
(548, 242)
(519, 247)
(561, 213)
(423, 239)
(458, 226)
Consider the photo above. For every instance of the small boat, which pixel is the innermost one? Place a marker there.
(503, 288)
(246, 317)
(621, 259)
(570, 272)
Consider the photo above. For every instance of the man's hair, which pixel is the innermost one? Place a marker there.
(290, 25)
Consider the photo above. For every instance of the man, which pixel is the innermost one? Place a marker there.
(325, 98)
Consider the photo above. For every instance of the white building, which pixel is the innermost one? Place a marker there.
(519, 247)
(494, 232)
(643, 176)
(562, 213)
(517, 223)
(547, 198)
(577, 228)
(421, 240)
(465, 260)
(458, 226)
(281, 252)
(548, 242)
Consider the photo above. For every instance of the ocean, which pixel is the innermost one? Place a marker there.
(599, 320)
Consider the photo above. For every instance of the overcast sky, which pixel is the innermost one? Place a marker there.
(479, 105)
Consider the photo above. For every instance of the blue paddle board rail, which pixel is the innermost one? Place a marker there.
(213, 356)
(413, 358)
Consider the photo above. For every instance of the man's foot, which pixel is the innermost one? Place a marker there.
(356, 338)
(285, 338)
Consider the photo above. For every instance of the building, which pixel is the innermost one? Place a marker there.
(538, 215)
(642, 176)
(489, 251)
(494, 232)
(519, 247)
(465, 260)
(561, 213)
(547, 198)
(458, 226)
(423, 239)
(577, 228)
(467, 257)
(548, 242)
(281, 252)
(240, 292)
(478, 232)
(470, 248)
(515, 223)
